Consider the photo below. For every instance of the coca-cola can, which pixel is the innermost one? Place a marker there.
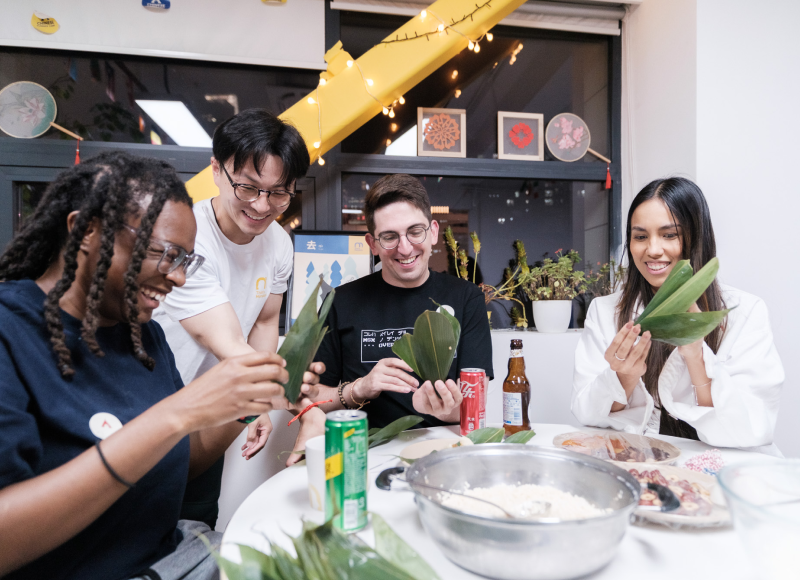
(473, 405)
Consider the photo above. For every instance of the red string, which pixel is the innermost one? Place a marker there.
(303, 412)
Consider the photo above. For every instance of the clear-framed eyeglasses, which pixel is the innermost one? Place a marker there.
(172, 256)
(278, 198)
(415, 234)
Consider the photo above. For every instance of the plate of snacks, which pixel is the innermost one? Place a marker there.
(702, 502)
(622, 447)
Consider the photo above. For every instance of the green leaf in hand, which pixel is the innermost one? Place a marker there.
(430, 350)
(303, 340)
(679, 275)
(690, 291)
(683, 328)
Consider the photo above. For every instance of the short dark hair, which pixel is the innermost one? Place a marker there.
(255, 133)
(393, 188)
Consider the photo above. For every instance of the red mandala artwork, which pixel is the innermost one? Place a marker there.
(521, 135)
(442, 132)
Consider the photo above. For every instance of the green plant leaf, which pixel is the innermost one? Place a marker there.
(393, 429)
(253, 560)
(487, 435)
(682, 299)
(683, 328)
(679, 275)
(404, 349)
(303, 340)
(434, 346)
(394, 549)
(452, 319)
(520, 437)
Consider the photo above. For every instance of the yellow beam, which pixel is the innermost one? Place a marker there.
(394, 68)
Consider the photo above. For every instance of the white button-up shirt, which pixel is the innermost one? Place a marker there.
(746, 378)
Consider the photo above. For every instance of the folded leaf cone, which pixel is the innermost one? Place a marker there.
(666, 316)
(430, 350)
(303, 340)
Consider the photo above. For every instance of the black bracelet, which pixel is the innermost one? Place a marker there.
(113, 473)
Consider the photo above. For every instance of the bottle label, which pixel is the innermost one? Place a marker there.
(516, 353)
(512, 408)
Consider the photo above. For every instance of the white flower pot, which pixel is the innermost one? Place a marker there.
(552, 316)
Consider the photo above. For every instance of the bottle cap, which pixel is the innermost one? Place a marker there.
(516, 343)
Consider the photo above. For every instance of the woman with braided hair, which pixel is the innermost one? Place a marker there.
(97, 432)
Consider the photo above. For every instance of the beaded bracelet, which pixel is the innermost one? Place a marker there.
(113, 473)
(341, 395)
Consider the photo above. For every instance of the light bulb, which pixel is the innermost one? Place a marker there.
(321, 161)
(440, 28)
(458, 93)
(394, 127)
(322, 82)
(388, 142)
(385, 111)
(311, 101)
(349, 63)
(369, 82)
(316, 144)
(391, 113)
(471, 45)
(477, 47)
(454, 75)
(402, 100)
(423, 14)
(489, 36)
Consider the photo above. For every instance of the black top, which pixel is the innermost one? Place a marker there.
(47, 420)
(368, 315)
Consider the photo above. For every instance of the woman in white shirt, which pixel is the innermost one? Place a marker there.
(723, 389)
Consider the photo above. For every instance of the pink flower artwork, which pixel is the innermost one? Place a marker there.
(566, 125)
(566, 142)
(577, 134)
(33, 111)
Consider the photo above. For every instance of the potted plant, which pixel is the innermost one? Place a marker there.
(551, 288)
(607, 280)
(510, 285)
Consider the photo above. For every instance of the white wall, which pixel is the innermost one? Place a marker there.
(713, 92)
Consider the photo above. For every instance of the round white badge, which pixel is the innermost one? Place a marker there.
(449, 309)
(104, 424)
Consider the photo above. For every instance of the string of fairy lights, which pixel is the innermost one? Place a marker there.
(388, 109)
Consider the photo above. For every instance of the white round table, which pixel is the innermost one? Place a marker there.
(651, 552)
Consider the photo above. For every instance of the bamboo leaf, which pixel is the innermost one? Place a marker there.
(520, 437)
(303, 340)
(683, 328)
(682, 299)
(393, 429)
(252, 559)
(434, 346)
(679, 275)
(394, 549)
(452, 319)
(487, 435)
(404, 349)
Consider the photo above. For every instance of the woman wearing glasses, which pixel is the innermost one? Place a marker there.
(97, 432)
(232, 306)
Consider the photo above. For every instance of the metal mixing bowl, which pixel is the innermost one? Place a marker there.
(524, 549)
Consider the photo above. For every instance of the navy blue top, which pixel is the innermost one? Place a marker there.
(44, 423)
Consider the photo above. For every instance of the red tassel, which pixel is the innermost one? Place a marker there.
(77, 152)
(608, 177)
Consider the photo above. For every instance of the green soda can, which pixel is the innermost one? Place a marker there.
(346, 469)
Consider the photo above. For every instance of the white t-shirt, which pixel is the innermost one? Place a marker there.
(244, 275)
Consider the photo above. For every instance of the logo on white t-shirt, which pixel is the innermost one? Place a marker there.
(261, 288)
(104, 424)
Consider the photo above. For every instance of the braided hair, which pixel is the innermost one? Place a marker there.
(108, 187)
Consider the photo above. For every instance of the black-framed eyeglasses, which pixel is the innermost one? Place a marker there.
(173, 256)
(245, 192)
(414, 234)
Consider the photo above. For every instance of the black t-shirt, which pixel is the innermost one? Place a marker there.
(47, 420)
(368, 315)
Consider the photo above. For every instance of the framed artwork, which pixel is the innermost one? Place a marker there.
(568, 137)
(520, 136)
(339, 257)
(441, 132)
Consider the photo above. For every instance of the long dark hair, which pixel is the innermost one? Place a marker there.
(689, 210)
(108, 187)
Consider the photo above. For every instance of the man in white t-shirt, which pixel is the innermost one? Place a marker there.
(231, 305)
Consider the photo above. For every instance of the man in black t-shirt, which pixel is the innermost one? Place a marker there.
(370, 314)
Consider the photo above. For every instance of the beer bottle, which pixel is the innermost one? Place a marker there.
(516, 393)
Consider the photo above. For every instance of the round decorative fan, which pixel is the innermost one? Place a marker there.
(568, 138)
